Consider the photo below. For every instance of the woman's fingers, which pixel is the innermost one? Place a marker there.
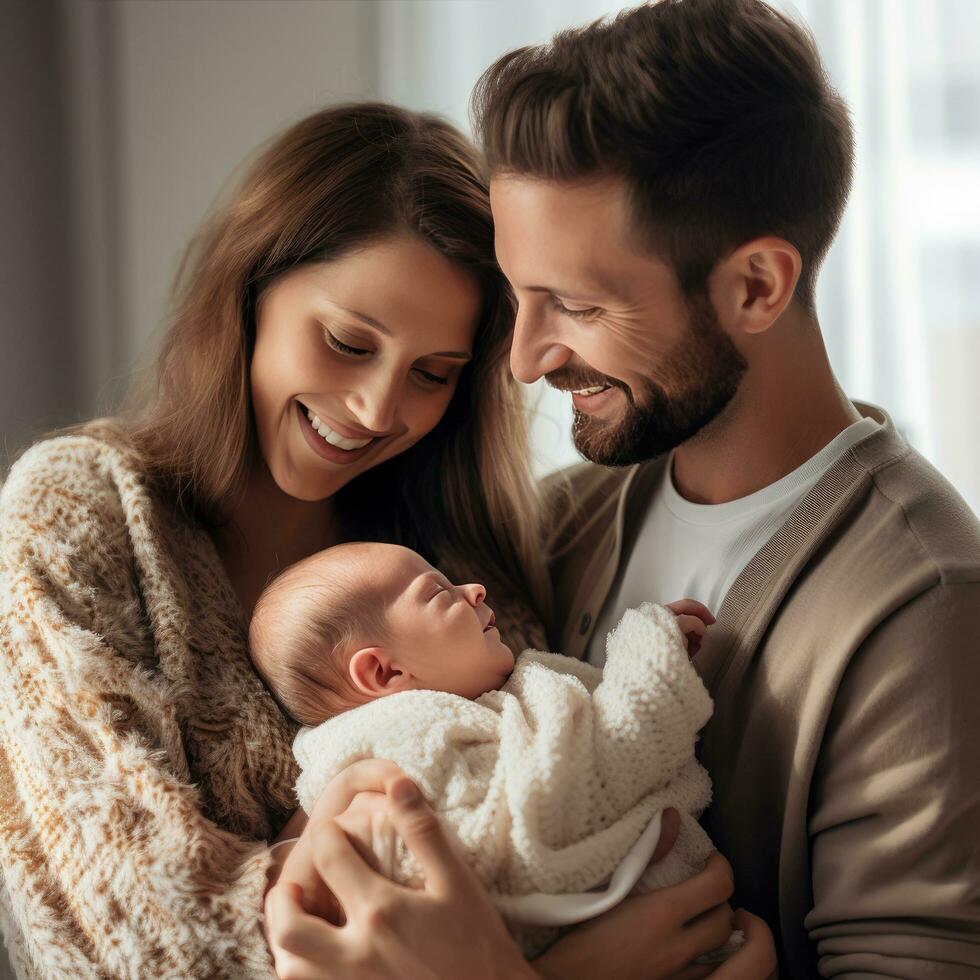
(367, 775)
(298, 869)
(424, 836)
(340, 865)
(707, 889)
(293, 935)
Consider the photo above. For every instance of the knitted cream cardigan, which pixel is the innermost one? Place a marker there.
(143, 765)
(550, 781)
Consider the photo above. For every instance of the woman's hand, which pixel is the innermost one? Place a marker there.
(375, 927)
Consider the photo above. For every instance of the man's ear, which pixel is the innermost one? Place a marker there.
(755, 283)
(373, 674)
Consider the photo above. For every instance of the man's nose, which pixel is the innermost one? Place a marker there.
(534, 352)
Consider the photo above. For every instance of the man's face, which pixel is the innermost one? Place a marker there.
(605, 319)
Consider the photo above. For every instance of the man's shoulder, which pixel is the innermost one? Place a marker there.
(585, 479)
(935, 521)
(580, 497)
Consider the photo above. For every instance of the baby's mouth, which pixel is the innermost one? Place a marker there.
(490, 624)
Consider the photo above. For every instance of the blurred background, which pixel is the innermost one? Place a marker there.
(123, 121)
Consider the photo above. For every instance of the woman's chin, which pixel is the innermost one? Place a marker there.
(308, 487)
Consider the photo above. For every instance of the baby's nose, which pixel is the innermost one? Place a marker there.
(475, 594)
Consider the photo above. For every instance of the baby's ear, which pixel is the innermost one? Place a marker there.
(372, 673)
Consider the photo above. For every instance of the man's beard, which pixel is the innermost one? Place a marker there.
(701, 375)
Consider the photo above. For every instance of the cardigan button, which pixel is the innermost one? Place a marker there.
(584, 623)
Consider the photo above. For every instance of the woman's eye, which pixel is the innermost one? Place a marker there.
(436, 379)
(586, 314)
(339, 345)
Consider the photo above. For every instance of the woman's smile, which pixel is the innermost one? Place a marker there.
(326, 449)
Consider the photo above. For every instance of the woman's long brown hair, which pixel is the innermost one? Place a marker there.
(463, 496)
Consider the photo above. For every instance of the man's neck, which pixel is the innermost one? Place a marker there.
(788, 407)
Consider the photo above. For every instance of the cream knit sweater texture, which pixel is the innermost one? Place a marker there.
(549, 781)
(143, 764)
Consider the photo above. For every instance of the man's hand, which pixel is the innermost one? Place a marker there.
(650, 936)
(756, 960)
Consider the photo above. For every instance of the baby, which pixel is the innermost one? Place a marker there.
(551, 773)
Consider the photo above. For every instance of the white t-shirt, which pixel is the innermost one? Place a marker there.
(696, 551)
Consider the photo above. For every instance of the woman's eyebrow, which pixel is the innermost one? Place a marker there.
(364, 318)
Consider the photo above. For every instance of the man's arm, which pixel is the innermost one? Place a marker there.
(895, 809)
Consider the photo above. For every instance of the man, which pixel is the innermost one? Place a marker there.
(664, 188)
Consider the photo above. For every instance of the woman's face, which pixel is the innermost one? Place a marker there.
(356, 359)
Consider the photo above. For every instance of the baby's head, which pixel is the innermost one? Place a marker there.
(360, 621)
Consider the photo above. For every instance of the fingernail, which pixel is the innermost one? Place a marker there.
(404, 791)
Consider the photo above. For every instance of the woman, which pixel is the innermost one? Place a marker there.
(335, 370)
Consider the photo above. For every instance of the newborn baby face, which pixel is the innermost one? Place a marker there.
(442, 636)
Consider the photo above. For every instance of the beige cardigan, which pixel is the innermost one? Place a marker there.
(845, 670)
(143, 765)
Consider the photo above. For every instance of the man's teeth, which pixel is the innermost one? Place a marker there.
(332, 437)
(590, 391)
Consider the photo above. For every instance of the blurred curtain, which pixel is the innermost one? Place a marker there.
(899, 296)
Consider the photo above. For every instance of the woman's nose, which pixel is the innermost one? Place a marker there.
(375, 403)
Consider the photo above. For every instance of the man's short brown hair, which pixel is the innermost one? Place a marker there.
(717, 113)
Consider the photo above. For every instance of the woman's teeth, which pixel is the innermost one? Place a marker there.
(590, 391)
(332, 437)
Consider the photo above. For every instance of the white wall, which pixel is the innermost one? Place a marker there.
(198, 87)
(36, 339)
(121, 123)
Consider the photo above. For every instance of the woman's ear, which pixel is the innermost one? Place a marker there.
(754, 284)
(373, 674)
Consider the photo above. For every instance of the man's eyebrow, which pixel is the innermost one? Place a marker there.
(456, 355)
(559, 292)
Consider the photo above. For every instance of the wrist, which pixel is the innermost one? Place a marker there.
(279, 851)
(293, 827)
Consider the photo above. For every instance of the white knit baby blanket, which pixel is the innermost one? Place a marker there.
(548, 782)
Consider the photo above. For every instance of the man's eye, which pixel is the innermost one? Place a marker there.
(339, 345)
(586, 314)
